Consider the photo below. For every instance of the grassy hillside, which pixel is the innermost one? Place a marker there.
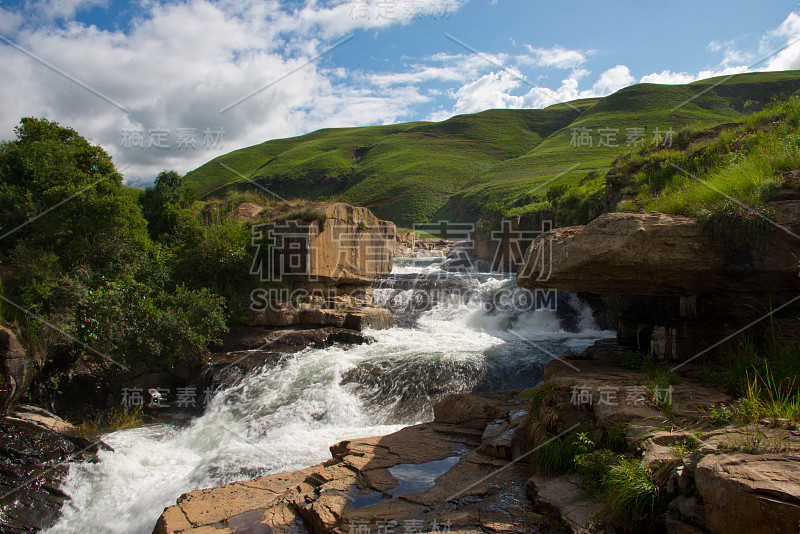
(516, 159)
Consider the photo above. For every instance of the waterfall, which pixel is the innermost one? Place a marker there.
(455, 333)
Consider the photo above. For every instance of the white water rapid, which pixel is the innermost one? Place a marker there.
(285, 417)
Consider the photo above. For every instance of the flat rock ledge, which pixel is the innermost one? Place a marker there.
(454, 474)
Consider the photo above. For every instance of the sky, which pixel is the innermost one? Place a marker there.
(170, 85)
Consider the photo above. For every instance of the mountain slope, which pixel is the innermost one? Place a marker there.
(412, 172)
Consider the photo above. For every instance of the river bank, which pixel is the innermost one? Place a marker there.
(470, 469)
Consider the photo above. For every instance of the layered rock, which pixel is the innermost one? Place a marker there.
(321, 270)
(657, 254)
(679, 293)
(450, 475)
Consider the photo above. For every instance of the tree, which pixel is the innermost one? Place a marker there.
(162, 202)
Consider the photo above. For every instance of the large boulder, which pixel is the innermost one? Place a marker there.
(657, 254)
(745, 493)
(352, 246)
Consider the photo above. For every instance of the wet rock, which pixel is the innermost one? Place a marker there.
(567, 495)
(423, 478)
(35, 448)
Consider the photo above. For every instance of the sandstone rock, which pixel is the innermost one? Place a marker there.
(744, 493)
(472, 410)
(353, 247)
(246, 211)
(652, 254)
(427, 474)
(567, 495)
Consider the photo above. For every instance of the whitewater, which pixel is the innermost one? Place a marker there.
(285, 417)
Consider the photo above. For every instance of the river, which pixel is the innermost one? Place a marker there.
(450, 338)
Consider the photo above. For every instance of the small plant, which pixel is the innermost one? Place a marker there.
(362, 225)
(616, 438)
(630, 493)
(116, 419)
(734, 225)
(686, 445)
(636, 361)
(719, 417)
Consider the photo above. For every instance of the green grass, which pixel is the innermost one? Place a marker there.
(417, 172)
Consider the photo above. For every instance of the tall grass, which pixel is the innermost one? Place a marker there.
(630, 492)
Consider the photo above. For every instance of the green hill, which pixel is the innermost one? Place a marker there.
(413, 172)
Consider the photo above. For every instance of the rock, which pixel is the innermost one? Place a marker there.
(745, 493)
(568, 496)
(652, 254)
(689, 509)
(425, 478)
(17, 368)
(472, 410)
(246, 211)
(352, 247)
(35, 450)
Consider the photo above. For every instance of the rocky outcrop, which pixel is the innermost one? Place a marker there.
(320, 261)
(17, 368)
(746, 493)
(35, 450)
(718, 480)
(425, 478)
(677, 293)
(350, 247)
(656, 254)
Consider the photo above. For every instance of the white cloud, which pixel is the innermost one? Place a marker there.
(668, 77)
(788, 35)
(179, 64)
(613, 79)
(557, 57)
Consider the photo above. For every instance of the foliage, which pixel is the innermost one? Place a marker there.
(161, 203)
(629, 492)
(84, 267)
(635, 360)
(734, 227)
(113, 420)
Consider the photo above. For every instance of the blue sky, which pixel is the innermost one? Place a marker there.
(144, 79)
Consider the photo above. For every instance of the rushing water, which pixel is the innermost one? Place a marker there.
(285, 418)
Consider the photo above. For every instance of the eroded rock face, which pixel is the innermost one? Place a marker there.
(678, 293)
(430, 477)
(351, 247)
(655, 254)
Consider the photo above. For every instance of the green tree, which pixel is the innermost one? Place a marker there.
(162, 203)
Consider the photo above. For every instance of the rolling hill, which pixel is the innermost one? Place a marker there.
(419, 171)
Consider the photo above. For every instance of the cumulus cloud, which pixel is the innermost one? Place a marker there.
(668, 77)
(613, 79)
(557, 57)
(176, 66)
